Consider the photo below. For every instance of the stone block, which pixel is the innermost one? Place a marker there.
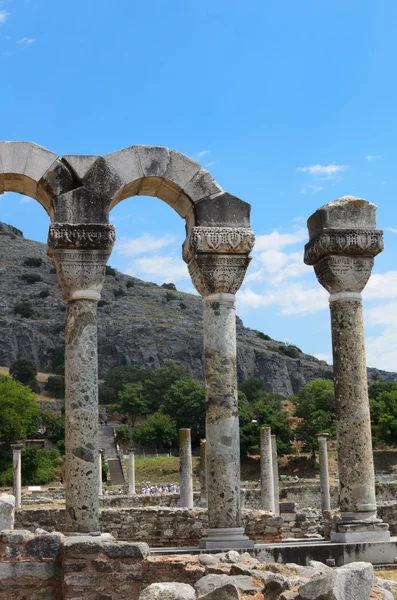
(181, 169)
(227, 591)
(287, 507)
(222, 210)
(81, 545)
(154, 160)
(347, 212)
(80, 164)
(7, 511)
(351, 582)
(44, 546)
(126, 550)
(14, 536)
(18, 570)
(168, 591)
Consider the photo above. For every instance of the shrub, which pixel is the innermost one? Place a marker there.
(56, 386)
(24, 310)
(44, 293)
(182, 305)
(39, 465)
(119, 293)
(23, 370)
(170, 296)
(123, 435)
(291, 351)
(110, 271)
(102, 303)
(58, 359)
(169, 286)
(106, 394)
(263, 336)
(33, 262)
(31, 277)
(130, 284)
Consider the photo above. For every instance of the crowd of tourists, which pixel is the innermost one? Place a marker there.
(160, 489)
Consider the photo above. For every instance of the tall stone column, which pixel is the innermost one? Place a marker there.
(324, 476)
(185, 469)
(100, 487)
(267, 482)
(203, 474)
(131, 474)
(16, 472)
(276, 488)
(79, 254)
(343, 244)
(217, 274)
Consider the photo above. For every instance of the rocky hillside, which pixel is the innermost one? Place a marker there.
(140, 324)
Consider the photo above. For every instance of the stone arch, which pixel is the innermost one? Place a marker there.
(166, 174)
(34, 171)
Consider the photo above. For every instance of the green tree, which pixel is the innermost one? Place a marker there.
(383, 404)
(250, 387)
(19, 411)
(159, 381)
(315, 407)
(158, 431)
(55, 426)
(23, 370)
(123, 435)
(39, 465)
(185, 404)
(57, 359)
(132, 401)
(55, 386)
(268, 411)
(106, 394)
(248, 429)
(116, 378)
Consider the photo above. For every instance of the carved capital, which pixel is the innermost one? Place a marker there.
(344, 273)
(222, 240)
(357, 242)
(79, 254)
(218, 273)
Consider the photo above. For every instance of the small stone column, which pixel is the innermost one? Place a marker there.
(324, 477)
(217, 260)
(79, 253)
(131, 474)
(267, 481)
(185, 469)
(342, 246)
(16, 472)
(100, 472)
(275, 476)
(203, 474)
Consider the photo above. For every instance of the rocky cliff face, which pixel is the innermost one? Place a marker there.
(139, 323)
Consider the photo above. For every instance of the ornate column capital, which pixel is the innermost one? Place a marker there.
(343, 243)
(79, 253)
(218, 258)
(218, 273)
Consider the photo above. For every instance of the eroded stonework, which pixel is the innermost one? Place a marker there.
(218, 273)
(344, 273)
(344, 241)
(224, 240)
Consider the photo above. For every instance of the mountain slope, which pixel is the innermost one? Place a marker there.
(142, 324)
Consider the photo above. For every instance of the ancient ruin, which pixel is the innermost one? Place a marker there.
(78, 193)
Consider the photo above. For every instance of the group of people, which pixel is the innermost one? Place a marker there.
(160, 489)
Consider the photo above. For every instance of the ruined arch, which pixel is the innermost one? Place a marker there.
(29, 169)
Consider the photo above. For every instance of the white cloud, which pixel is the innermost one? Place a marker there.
(381, 286)
(392, 229)
(371, 157)
(322, 171)
(143, 244)
(202, 153)
(277, 240)
(291, 298)
(26, 41)
(3, 16)
(159, 269)
(25, 199)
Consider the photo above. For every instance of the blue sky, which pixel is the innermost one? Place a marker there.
(288, 104)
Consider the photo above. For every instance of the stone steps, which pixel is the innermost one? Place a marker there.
(115, 472)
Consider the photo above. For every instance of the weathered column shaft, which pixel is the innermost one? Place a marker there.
(81, 417)
(276, 489)
(203, 474)
(324, 477)
(16, 467)
(185, 469)
(100, 473)
(222, 424)
(267, 482)
(131, 474)
(353, 421)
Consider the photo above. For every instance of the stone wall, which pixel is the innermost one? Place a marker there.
(158, 526)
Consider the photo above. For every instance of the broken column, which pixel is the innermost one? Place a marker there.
(79, 253)
(203, 474)
(267, 482)
(324, 476)
(100, 472)
(276, 489)
(131, 474)
(218, 260)
(343, 244)
(185, 469)
(16, 472)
